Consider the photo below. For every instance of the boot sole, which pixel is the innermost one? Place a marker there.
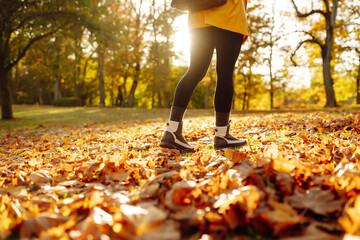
(172, 145)
(235, 145)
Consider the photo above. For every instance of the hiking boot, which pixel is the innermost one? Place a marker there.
(174, 139)
(223, 139)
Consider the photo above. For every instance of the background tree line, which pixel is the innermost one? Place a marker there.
(121, 53)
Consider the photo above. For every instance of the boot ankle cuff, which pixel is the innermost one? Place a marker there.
(221, 131)
(172, 126)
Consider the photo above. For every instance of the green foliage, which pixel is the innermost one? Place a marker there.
(67, 102)
(344, 87)
(137, 38)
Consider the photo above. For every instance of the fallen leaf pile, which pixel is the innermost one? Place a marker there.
(297, 178)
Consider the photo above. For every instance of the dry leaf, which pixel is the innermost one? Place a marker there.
(111, 180)
(317, 200)
(40, 176)
(281, 216)
(33, 226)
(351, 221)
(180, 195)
(312, 233)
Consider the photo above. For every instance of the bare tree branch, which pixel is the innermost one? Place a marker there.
(299, 46)
(304, 15)
(71, 18)
(22, 53)
(333, 12)
(313, 38)
(326, 3)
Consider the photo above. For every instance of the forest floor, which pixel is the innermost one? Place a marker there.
(73, 172)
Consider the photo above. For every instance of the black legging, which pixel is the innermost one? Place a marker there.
(203, 42)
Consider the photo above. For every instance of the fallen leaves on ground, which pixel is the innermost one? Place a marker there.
(297, 178)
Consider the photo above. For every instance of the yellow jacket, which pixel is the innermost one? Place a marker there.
(230, 16)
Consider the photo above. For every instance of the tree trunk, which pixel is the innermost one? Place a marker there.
(75, 78)
(40, 93)
(112, 92)
(271, 92)
(6, 111)
(101, 77)
(327, 55)
(83, 94)
(248, 101)
(272, 80)
(166, 76)
(14, 84)
(156, 70)
(119, 98)
(76, 73)
(159, 98)
(131, 101)
(124, 92)
(326, 49)
(248, 90)
(286, 100)
(244, 100)
(57, 92)
(248, 87)
(245, 93)
(328, 82)
(153, 97)
(272, 88)
(166, 99)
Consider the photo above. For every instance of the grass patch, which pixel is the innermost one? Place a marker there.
(34, 116)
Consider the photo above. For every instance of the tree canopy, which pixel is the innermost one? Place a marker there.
(121, 53)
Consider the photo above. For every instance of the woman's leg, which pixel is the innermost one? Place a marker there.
(228, 45)
(201, 52)
(202, 48)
